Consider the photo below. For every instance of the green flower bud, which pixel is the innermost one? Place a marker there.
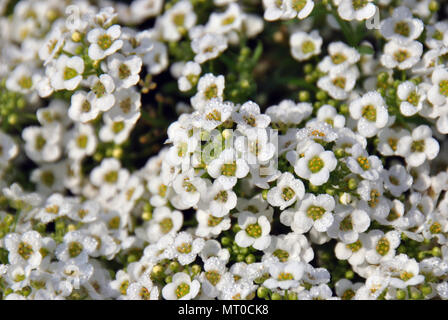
(352, 183)
(304, 96)
(321, 95)
(434, 6)
(276, 296)
(401, 294)
(250, 259)
(226, 241)
(262, 292)
(240, 257)
(174, 266)
(264, 194)
(349, 274)
(308, 68)
(196, 269)
(436, 252)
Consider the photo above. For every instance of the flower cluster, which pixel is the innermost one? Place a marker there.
(212, 149)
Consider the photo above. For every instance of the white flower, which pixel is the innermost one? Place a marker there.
(164, 222)
(368, 167)
(117, 129)
(329, 114)
(42, 143)
(401, 55)
(67, 73)
(24, 249)
(109, 177)
(397, 180)
(227, 168)
(289, 112)
(209, 225)
(76, 247)
(8, 148)
(209, 87)
(219, 200)
(248, 117)
(404, 271)
(313, 211)
(208, 46)
(339, 84)
(227, 21)
(348, 224)
(381, 246)
(418, 147)
(214, 114)
(81, 141)
(22, 80)
(356, 10)
(190, 75)
(286, 192)
(284, 275)
(103, 43)
(189, 188)
(298, 8)
(289, 247)
(254, 231)
(316, 164)
(412, 98)
(274, 10)
(388, 140)
(304, 45)
(181, 288)
(402, 26)
(81, 109)
(142, 291)
(340, 58)
(346, 289)
(371, 112)
(185, 248)
(101, 95)
(438, 93)
(177, 20)
(124, 70)
(156, 59)
(353, 252)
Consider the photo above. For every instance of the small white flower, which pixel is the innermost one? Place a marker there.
(298, 8)
(81, 141)
(109, 177)
(124, 70)
(412, 98)
(371, 112)
(190, 75)
(284, 275)
(438, 93)
(397, 180)
(287, 191)
(24, 249)
(42, 144)
(340, 57)
(208, 46)
(209, 87)
(104, 43)
(177, 20)
(185, 248)
(181, 288)
(401, 55)
(313, 211)
(254, 231)
(339, 84)
(227, 168)
(304, 45)
(348, 224)
(8, 148)
(81, 109)
(101, 95)
(356, 10)
(368, 167)
(156, 59)
(402, 26)
(419, 146)
(381, 246)
(316, 164)
(67, 73)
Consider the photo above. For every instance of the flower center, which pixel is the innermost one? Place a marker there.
(405, 276)
(413, 98)
(214, 115)
(74, 249)
(392, 143)
(213, 221)
(104, 41)
(338, 58)
(124, 287)
(221, 196)
(162, 190)
(435, 228)
(443, 87)
(315, 212)
(282, 255)
(125, 105)
(54, 209)
(308, 46)
(182, 290)
(86, 107)
(418, 146)
(179, 19)
(81, 141)
(363, 162)
(283, 276)
(114, 223)
(369, 112)
(254, 230)
(99, 89)
(213, 276)
(123, 71)
(346, 224)
(184, 248)
(25, 250)
(316, 164)
(393, 215)
(188, 186)
(47, 178)
(211, 92)
(144, 293)
(25, 82)
(69, 73)
(111, 176)
(288, 193)
(228, 169)
(298, 5)
(383, 246)
(40, 142)
(401, 55)
(355, 246)
(339, 82)
(228, 20)
(166, 225)
(402, 28)
(348, 294)
(359, 4)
